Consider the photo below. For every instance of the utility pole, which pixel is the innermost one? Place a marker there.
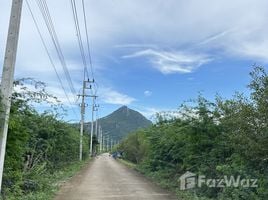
(105, 138)
(8, 77)
(107, 143)
(92, 124)
(96, 107)
(83, 116)
(101, 139)
(111, 144)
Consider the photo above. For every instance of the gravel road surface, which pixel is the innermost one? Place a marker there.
(106, 179)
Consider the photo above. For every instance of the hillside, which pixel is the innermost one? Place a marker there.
(122, 122)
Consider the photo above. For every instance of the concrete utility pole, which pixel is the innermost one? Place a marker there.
(96, 107)
(83, 116)
(92, 124)
(103, 144)
(105, 138)
(101, 139)
(8, 77)
(111, 144)
(107, 143)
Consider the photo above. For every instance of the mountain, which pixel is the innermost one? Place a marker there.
(122, 122)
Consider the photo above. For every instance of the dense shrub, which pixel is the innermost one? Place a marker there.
(227, 137)
(38, 144)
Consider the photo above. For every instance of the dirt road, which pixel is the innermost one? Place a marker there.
(106, 179)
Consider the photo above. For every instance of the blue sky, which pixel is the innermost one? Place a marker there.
(149, 55)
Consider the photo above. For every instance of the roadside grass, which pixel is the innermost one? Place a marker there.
(49, 183)
(127, 163)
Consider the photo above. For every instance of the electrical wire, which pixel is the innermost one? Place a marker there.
(79, 37)
(43, 7)
(49, 56)
(78, 33)
(88, 47)
(87, 37)
(51, 29)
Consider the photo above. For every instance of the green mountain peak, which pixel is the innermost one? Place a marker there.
(121, 122)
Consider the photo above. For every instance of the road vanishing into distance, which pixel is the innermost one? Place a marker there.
(106, 179)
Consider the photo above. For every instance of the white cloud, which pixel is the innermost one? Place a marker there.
(253, 49)
(236, 27)
(175, 36)
(215, 37)
(148, 112)
(137, 46)
(148, 93)
(111, 96)
(56, 92)
(172, 62)
(151, 113)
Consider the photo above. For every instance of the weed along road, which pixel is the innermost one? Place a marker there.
(106, 179)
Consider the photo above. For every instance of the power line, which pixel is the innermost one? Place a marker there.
(78, 33)
(49, 56)
(51, 29)
(52, 32)
(79, 37)
(88, 46)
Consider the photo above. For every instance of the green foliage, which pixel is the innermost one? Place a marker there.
(134, 147)
(228, 137)
(50, 184)
(39, 145)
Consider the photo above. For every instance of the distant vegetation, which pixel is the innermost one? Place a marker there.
(224, 137)
(41, 149)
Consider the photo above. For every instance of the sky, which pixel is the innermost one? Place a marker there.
(149, 55)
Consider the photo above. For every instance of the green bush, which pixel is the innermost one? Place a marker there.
(39, 145)
(225, 137)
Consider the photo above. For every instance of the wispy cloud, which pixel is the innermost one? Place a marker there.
(225, 25)
(111, 96)
(215, 37)
(151, 112)
(148, 112)
(169, 62)
(135, 46)
(253, 49)
(148, 93)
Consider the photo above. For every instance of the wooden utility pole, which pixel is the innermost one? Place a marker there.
(8, 77)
